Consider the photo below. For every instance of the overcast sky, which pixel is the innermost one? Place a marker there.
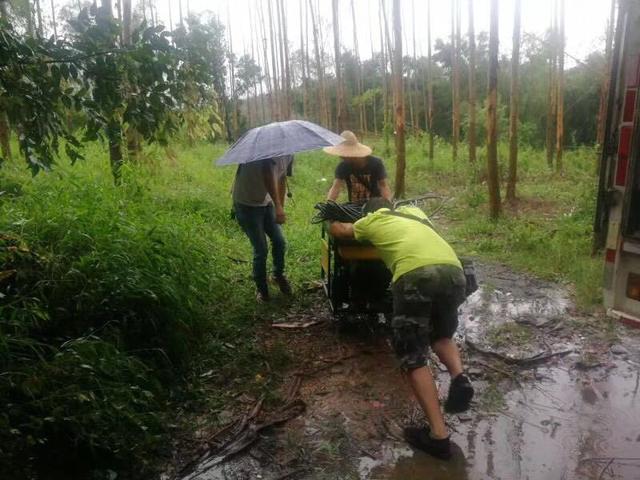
(585, 20)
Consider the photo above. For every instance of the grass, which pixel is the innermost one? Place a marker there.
(120, 306)
(547, 232)
(509, 335)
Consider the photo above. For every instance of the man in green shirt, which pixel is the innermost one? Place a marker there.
(428, 287)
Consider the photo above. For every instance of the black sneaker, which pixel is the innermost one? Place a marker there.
(283, 285)
(460, 395)
(420, 438)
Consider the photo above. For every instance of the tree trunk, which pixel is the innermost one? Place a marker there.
(181, 20)
(322, 98)
(560, 92)
(414, 82)
(29, 19)
(513, 109)
(53, 20)
(492, 116)
(552, 97)
(265, 56)
(327, 105)
(119, 10)
(398, 100)
(5, 137)
(359, 88)
(5, 132)
(385, 84)
(409, 88)
(429, 83)
(455, 78)
(232, 78)
(284, 60)
(307, 62)
(280, 61)
(39, 14)
(256, 38)
(114, 127)
(604, 91)
(170, 15)
(340, 103)
(114, 136)
(305, 86)
(390, 51)
(274, 64)
(472, 86)
(255, 56)
(133, 137)
(374, 111)
(153, 13)
(287, 59)
(126, 22)
(384, 44)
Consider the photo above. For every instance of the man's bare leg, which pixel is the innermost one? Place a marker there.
(460, 389)
(425, 390)
(448, 353)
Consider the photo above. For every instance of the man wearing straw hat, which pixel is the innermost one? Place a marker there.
(363, 174)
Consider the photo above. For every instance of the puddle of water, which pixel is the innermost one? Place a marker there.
(547, 431)
(505, 298)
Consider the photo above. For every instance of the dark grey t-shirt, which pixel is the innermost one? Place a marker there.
(249, 189)
(362, 184)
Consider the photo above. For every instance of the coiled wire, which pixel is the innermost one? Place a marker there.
(337, 212)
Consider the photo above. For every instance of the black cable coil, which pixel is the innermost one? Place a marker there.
(337, 212)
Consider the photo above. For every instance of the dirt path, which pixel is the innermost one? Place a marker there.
(574, 415)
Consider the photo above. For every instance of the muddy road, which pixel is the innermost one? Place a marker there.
(557, 397)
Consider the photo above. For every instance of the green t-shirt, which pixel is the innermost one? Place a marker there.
(404, 244)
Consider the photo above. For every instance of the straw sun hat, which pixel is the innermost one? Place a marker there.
(350, 147)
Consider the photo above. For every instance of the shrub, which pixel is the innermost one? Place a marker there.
(104, 300)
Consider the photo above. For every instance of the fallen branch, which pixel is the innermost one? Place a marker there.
(608, 459)
(505, 373)
(528, 361)
(295, 325)
(605, 469)
(247, 435)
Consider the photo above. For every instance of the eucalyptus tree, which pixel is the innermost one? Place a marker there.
(514, 106)
(398, 100)
(493, 182)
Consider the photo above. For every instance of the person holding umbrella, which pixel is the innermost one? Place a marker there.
(258, 202)
(363, 174)
(264, 156)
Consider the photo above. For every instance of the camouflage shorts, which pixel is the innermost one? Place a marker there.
(425, 309)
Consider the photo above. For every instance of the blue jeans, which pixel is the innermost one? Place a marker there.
(258, 223)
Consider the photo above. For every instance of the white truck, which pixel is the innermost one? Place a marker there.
(617, 219)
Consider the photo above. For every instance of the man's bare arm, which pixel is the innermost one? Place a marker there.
(385, 189)
(342, 230)
(271, 186)
(282, 189)
(336, 189)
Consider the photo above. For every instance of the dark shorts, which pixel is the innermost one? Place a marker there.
(425, 309)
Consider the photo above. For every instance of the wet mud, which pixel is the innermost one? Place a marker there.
(574, 415)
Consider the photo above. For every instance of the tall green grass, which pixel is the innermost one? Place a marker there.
(113, 300)
(108, 295)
